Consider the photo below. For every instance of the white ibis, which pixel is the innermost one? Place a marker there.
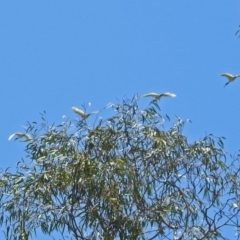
(81, 113)
(230, 77)
(158, 96)
(20, 135)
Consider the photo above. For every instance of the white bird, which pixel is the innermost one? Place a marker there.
(230, 77)
(20, 135)
(158, 96)
(81, 113)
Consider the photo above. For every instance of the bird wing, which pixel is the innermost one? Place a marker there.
(20, 135)
(11, 136)
(228, 75)
(79, 112)
(167, 94)
(95, 112)
(151, 95)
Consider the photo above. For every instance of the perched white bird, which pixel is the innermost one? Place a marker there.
(81, 113)
(230, 77)
(158, 96)
(20, 135)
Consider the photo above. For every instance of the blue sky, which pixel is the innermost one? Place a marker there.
(55, 54)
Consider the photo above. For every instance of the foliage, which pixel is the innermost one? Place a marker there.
(126, 177)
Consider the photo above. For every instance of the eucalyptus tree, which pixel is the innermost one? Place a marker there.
(125, 176)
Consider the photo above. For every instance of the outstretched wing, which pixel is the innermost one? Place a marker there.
(79, 112)
(155, 95)
(167, 94)
(20, 135)
(228, 75)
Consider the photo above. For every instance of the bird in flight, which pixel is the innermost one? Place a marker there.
(230, 77)
(81, 113)
(158, 96)
(20, 135)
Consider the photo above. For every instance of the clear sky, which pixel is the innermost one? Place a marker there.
(55, 54)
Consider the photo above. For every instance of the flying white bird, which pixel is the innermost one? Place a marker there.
(81, 113)
(158, 96)
(20, 135)
(230, 77)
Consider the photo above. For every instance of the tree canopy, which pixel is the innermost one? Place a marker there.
(126, 176)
